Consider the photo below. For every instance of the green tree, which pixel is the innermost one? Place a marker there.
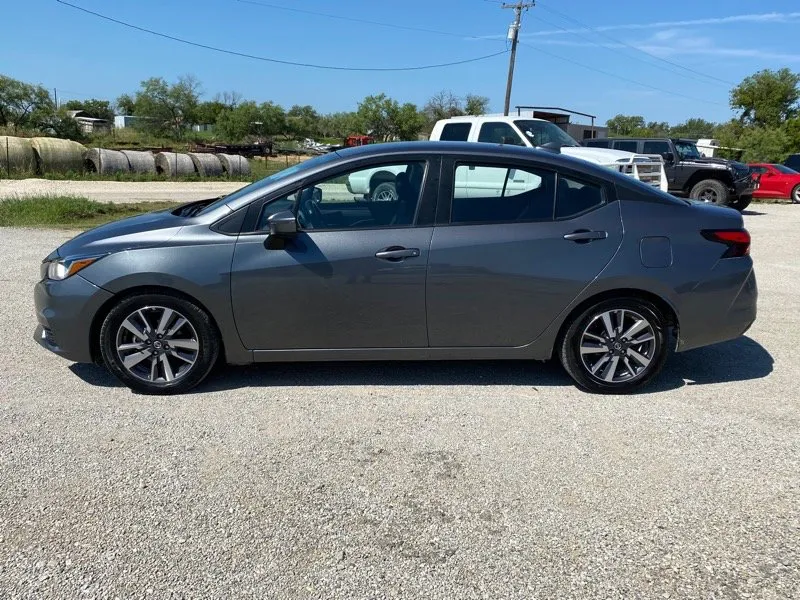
(764, 144)
(166, 109)
(767, 98)
(274, 119)
(236, 124)
(694, 128)
(209, 112)
(23, 105)
(624, 125)
(126, 105)
(408, 121)
(97, 109)
(476, 105)
(302, 121)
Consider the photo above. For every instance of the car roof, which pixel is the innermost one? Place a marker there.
(482, 118)
(476, 149)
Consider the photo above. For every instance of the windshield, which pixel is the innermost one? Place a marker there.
(687, 150)
(785, 170)
(262, 183)
(540, 133)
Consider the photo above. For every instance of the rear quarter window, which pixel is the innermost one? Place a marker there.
(455, 132)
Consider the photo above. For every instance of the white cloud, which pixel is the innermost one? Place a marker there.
(772, 17)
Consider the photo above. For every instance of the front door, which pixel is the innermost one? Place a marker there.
(352, 277)
(508, 263)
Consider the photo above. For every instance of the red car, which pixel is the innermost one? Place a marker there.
(777, 181)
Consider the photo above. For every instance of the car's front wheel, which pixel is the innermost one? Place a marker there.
(616, 346)
(795, 195)
(711, 191)
(159, 343)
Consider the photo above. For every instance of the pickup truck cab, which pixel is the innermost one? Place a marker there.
(513, 131)
(714, 180)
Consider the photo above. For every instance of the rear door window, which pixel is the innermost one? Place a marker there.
(575, 197)
(501, 194)
(656, 148)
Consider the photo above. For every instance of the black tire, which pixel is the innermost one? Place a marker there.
(200, 332)
(741, 203)
(711, 191)
(795, 195)
(572, 359)
(384, 192)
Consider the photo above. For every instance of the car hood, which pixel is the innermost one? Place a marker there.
(600, 156)
(149, 229)
(715, 163)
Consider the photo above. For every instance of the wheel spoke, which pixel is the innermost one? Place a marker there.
(642, 360)
(611, 369)
(183, 358)
(593, 349)
(607, 322)
(641, 340)
(168, 375)
(620, 321)
(188, 344)
(134, 359)
(174, 329)
(166, 317)
(600, 339)
(599, 364)
(131, 346)
(153, 367)
(147, 328)
(128, 324)
(628, 365)
(640, 325)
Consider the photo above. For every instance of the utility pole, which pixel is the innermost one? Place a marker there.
(513, 33)
(55, 96)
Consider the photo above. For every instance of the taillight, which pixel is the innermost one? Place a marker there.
(737, 240)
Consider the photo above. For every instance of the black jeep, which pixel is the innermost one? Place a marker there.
(689, 173)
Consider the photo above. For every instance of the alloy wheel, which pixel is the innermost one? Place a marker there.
(157, 344)
(708, 195)
(618, 346)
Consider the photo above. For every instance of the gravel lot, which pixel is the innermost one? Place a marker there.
(119, 191)
(478, 480)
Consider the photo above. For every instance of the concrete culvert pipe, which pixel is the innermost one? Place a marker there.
(234, 165)
(100, 160)
(173, 164)
(54, 155)
(206, 165)
(16, 156)
(140, 162)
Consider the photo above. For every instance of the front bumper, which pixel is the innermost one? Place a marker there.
(744, 187)
(65, 311)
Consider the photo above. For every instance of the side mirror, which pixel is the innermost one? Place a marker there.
(668, 157)
(282, 224)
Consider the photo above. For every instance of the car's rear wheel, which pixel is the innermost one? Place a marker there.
(711, 191)
(795, 197)
(159, 343)
(741, 203)
(616, 346)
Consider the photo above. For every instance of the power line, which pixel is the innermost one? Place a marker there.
(621, 77)
(276, 60)
(650, 54)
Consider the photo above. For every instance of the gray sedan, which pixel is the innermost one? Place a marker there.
(454, 251)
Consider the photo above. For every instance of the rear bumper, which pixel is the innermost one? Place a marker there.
(65, 311)
(721, 308)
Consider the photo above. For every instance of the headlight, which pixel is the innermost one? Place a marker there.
(66, 267)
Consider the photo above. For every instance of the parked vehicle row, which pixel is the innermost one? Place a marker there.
(483, 252)
(689, 173)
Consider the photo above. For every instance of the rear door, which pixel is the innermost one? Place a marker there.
(504, 264)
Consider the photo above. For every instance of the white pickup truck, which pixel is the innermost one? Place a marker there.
(378, 184)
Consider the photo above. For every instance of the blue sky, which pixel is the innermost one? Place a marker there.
(48, 43)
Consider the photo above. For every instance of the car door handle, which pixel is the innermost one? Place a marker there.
(584, 235)
(396, 253)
